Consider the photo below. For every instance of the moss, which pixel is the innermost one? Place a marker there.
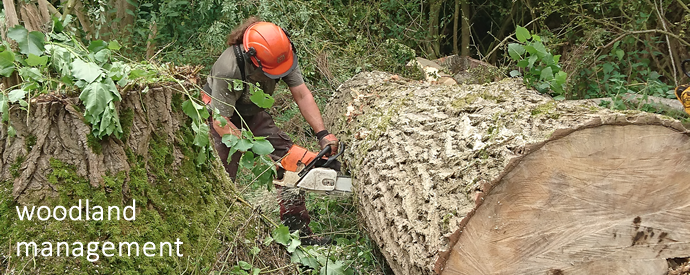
(94, 143)
(463, 102)
(176, 102)
(547, 109)
(14, 168)
(126, 120)
(29, 142)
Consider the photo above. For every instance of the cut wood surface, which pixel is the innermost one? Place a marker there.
(497, 179)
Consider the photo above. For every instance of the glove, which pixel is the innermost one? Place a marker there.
(328, 139)
(683, 95)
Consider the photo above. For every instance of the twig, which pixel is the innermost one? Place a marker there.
(619, 38)
(506, 39)
(668, 42)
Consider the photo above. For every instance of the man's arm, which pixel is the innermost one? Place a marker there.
(229, 128)
(310, 112)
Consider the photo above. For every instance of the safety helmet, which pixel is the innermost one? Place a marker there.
(270, 49)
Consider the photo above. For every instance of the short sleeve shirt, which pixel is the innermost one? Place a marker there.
(224, 96)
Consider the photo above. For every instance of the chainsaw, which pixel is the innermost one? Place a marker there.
(315, 175)
(683, 91)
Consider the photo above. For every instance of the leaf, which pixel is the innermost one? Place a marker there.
(237, 85)
(262, 99)
(230, 140)
(201, 156)
(11, 132)
(541, 50)
(114, 45)
(195, 111)
(335, 268)
(268, 240)
(102, 55)
(28, 42)
(61, 60)
(522, 34)
(281, 235)
(608, 68)
(515, 51)
(201, 137)
(256, 271)
(16, 95)
(86, 71)
(34, 60)
(97, 45)
(546, 74)
(6, 63)
(243, 145)
(262, 147)
(31, 74)
(559, 98)
(96, 97)
(247, 160)
(57, 25)
(244, 265)
(523, 63)
(514, 73)
(254, 251)
(533, 59)
(293, 245)
(305, 259)
(4, 108)
(561, 77)
(620, 53)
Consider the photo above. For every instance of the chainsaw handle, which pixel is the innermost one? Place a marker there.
(332, 158)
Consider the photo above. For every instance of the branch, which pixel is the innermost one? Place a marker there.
(619, 38)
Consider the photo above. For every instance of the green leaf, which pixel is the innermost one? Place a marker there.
(57, 25)
(86, 71)
(97, 45)
(254, 251)
(620, 53)
(31, 74)
(34, 60)
(6, 63)
(532, 60)
(28, 42)
(243, 145)
(195, 111)
(262, 147)
(247, 160)
(268, 240)
(541, 50)
(514, 73)
(523, 63)
(61, 60)
(201, 156)
(201, 137)
(96, 97)
(515, 51)
(608, 68)
(256, 271)
(335, 268)
(561, 77)
(522, 34)
(16, 95)
(546, 74)
(237, 85)
(305, 259)
(559, 98)
(244, 265)
(102, 55)
(282, 235)
(230, 140)
(556, 58)
(11, 132)
(4, 108)
(114, 45)
(262, 99)
(294, 244)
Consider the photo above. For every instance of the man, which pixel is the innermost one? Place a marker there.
(262, 53)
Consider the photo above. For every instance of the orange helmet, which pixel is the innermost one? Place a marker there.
(270, 49)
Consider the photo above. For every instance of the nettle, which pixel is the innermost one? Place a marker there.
(540, 69)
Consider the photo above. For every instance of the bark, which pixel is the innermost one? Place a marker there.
(465, 47)
(456, 18)
(434, 46)
(498, 179)
(11, 18)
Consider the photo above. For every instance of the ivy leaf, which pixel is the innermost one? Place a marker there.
(96, 97)
(262, 147)
(515, 51)
(34, 60)
(262, 99)
(303, 258)
(86, 71)
(282, 235)
(97, 45)
(522, 34)
(620, 53)
(6, 63)
(28, 42)
(293, 245)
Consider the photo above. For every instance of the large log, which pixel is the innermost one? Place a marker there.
(497, 179)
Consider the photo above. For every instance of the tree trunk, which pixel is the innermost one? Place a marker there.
(433, 35)
(54, 160)
(498, 179)
(456, 18)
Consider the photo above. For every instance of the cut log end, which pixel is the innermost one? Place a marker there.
(604, 200)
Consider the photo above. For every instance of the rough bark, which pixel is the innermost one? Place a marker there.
(424, 158)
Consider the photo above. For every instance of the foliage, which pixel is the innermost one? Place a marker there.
(541, 69)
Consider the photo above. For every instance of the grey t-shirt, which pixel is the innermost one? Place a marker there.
(220, 81)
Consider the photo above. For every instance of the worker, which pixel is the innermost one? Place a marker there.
(262, 53)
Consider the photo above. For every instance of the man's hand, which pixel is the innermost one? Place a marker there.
(329, 140)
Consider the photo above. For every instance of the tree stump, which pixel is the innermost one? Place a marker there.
(498, 179)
